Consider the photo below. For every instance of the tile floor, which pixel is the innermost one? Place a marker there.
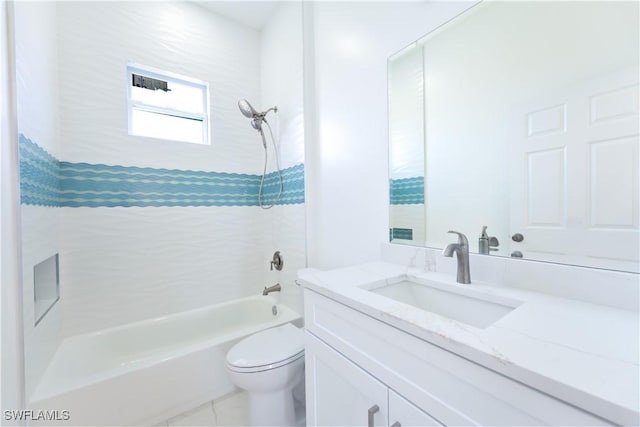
(230, 410)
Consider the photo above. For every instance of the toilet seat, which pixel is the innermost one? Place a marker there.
(256, 369)
(266, 350)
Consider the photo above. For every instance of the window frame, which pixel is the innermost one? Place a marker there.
(134, 68)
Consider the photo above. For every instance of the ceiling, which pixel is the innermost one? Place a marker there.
(254, 14)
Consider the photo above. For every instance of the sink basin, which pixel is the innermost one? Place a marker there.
(464, 305)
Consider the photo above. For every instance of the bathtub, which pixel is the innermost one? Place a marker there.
(145, 372)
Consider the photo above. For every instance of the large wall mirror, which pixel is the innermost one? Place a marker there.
(521, 117)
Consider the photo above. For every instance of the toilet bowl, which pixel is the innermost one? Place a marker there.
(270, 366)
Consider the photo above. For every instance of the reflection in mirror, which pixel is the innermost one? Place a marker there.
(406, 132)
(530, 127)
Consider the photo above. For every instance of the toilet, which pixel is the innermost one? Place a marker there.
(270, 366)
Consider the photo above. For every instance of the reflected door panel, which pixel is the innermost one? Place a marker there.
(574, 192)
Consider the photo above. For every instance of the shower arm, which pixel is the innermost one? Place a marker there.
(274, 109)
(262, 116)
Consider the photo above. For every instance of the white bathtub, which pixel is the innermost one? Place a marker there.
(145, 372)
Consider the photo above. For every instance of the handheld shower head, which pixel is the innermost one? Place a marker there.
(246, 109)
(256, 123)
(257, 117)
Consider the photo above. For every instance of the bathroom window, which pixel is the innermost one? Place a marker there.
(167, 106)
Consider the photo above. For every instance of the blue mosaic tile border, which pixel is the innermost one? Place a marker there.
(46, 181)
(39, 175)
(400, 233)
(407, 191)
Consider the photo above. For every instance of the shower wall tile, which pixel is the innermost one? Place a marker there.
(37, 94)
(40, 240)
(292, 187)
(282, 80)
(39, 175)
(116, 260)
(95, 42)
(282, 85)
(37, 114)
(128, 264)
(285, 228)
(137, 239)
(46, 181)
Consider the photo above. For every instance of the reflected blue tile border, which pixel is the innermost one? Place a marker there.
(400, 233)
(407, 191)
(46, 181)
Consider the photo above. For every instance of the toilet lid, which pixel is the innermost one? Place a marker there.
(267, 347)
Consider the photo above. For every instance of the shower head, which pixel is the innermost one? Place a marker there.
(246, 109)
(257, 117)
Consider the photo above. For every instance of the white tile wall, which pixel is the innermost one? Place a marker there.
(40, 240)
(281, 78)
(37, 99)
(96, 40)
(281, 83)
(127, 264)
(37, 73)
(284, 228)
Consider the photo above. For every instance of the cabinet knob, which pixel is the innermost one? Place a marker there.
(372, 411)
(517, 237)
(396, 424)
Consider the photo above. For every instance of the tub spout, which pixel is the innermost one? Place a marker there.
(274, 288)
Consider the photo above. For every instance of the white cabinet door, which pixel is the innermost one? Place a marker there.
(339, 393)
(403, 413)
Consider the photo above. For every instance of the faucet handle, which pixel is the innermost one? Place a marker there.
(462, 239)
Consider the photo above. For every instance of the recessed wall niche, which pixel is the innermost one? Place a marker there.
(46, 286)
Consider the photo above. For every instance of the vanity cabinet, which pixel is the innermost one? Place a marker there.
(355, 362)
(403, 413)
(343, 394)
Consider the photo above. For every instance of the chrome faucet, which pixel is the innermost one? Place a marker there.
(274, 288)
(461, 250)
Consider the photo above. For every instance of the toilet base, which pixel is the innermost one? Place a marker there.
(272, 409)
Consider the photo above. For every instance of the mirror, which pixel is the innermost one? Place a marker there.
(522, 117)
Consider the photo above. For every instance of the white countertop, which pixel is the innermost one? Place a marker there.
(583, 353)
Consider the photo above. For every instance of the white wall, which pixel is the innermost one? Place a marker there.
(125, 264)
(37, 108)
(281, 84)
(347, 147)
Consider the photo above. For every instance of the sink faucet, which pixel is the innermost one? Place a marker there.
(461, 250)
